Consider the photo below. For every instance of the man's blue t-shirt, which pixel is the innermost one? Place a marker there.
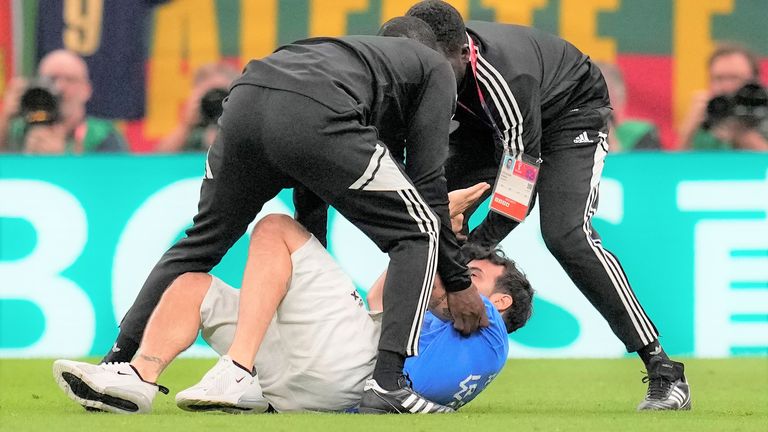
(452, 369)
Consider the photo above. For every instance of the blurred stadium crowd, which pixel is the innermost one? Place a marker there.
(50, 113)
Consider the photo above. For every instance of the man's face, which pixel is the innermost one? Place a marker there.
(458, 61)
(729, 73)
(484, 275)
(70, 76)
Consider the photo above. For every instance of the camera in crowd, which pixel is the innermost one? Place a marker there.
(749, 106)
(39, 104)
(211, 106)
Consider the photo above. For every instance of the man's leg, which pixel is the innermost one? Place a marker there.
(315, 349)
(568, 194)
(399, 222)
(238, 181)
(339, 159)
(123, 388)
(173, 326)
(230, 383)
(265, 282)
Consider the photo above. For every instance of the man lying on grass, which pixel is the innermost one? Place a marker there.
(305, 343)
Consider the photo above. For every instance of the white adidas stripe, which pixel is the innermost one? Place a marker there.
(424, 295)
(643, 317)
(624, 292)
(613, 262)
(427, 408)
(427, 223)
(208, 172)
(410, 400)
(588, 211)
(382, 174)
(418, 405)
(433, 229)
(620, 276)
(413, 335)
(676, 396)
(683, 396)
(511, 124)
(505, 103)
(378, 154)
(508, 97)
(505, 118)
(603, 141)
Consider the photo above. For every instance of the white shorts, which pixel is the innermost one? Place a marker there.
(321, 345)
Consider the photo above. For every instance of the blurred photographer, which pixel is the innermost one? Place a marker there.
(47, 115)
(709, 124)
(739, 120)
(197, 128)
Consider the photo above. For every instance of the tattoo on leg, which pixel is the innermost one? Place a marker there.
(160, 362)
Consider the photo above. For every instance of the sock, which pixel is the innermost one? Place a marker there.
(122, 351)
(389, 369)
(651, 350)
(161, 389)
(139, 375)
(251, 372)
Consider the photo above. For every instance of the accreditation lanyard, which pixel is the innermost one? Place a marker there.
(516, 179)
(473, 52)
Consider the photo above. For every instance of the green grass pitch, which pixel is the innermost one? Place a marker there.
(529, 395)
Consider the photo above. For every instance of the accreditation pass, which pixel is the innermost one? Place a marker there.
(515, 186)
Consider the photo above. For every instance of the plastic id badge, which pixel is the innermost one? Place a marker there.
(515, 186)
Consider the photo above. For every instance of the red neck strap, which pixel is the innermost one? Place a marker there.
(473, 64)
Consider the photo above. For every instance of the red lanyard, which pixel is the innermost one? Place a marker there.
(473, 63)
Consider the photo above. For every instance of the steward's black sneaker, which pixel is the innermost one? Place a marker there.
(376, 400)
(667, 387)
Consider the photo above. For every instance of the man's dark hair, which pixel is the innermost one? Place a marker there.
(511, 282)
(411, 28)
(445, 21)
(730, 48)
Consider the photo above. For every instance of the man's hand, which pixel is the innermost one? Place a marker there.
(457, 223)
(467, 310)
(462, 199)
(47, 139)
(459, 201)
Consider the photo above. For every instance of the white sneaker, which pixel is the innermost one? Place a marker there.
(226, 387)
(113, 387)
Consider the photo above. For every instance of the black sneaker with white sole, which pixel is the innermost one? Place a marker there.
(667, 387)
(404, 400)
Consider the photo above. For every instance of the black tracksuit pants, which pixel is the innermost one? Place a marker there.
(290, 140)
(567, 193)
